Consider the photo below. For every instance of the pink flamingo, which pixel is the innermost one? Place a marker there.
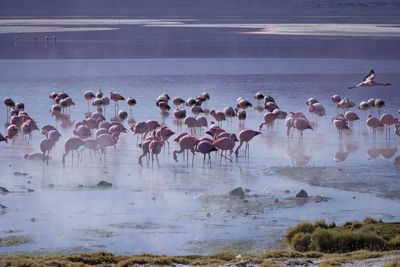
(340, 124)
(205, 147)
(82, 132)
(72, 144)
(244, 137)
(155, 149)
(225, 144)
(28, 127)
(91, 145)
(146, 150)
(12, 131)
(374, 123)
(201, 122)
(269, 119)
(191, 123)
(165, 133)
(387, 120)
(178, 102)
(106, 140)
(187, 143)
(219, 116)
(369, 81)
(317, 109)
(53, 135)
(45, 146)
(139, 128)
(301, 124)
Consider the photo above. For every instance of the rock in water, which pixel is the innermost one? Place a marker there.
(3, 190)
(104, 184)
(302, 194)
(237, 192)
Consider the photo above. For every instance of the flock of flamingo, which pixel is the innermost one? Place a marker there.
(95, 133)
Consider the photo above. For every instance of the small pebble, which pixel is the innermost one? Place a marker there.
(208, 214)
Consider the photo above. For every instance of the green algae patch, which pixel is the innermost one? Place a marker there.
(369, 235)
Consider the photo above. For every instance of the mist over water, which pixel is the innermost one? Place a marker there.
(147, 207)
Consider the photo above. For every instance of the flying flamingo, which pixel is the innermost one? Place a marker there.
(369, 81)
(244, 137)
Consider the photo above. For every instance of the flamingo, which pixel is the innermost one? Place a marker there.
(131, 103)
(155, 149)
(205, 147)
(226, 144)
(116, 97)
(45, 146)
(187, 143)
(88, 95)
(244, 137)
(369, 81)
(374, 123)
(9, 103)
(145, 148)
(72, 144)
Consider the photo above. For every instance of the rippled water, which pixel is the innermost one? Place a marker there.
(164, 210)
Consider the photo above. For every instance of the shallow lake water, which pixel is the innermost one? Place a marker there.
(182, 209)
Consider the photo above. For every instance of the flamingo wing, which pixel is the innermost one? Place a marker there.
(370, 76)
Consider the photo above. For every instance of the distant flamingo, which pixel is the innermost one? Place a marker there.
(9, 103)
(244, 137)
(116, 97)
(369, 81)
(88, 95)
(131, 103)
